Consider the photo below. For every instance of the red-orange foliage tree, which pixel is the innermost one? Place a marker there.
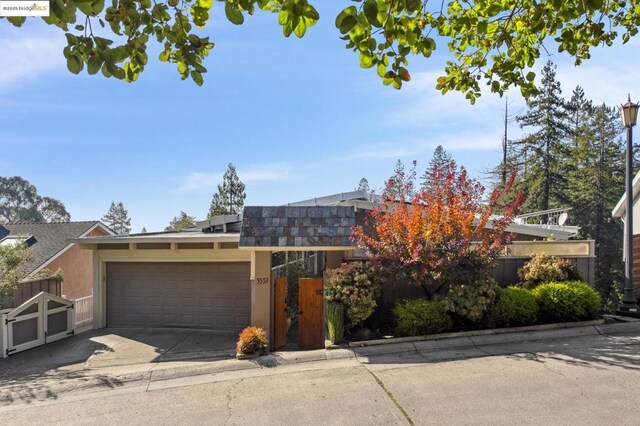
(438, 237)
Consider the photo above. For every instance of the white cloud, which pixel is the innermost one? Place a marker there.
(28, 57)
(380, 151)
(272, 172)
(451, 141)
(608, 76)
(421, 106)
(431, 119)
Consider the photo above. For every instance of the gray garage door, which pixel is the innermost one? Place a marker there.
(191, 295)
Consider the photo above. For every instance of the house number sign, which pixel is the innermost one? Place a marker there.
(262, 280)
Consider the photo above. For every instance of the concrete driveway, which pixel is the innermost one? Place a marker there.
(117, 347)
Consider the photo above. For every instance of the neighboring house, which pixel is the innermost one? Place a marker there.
(218, 276)
(620, 211)
(51, 249)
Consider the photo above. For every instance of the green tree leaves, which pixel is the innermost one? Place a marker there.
(385, 34)
(347, 19)
(295, 16)
(234, 15)
(20, 201)
(491, 42)
(94, 64)
(12, 259)
(90, 7)
(182, 221)
(74, 64)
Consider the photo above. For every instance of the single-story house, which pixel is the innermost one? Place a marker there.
(218, 276)
(620, 211)
(51, 249)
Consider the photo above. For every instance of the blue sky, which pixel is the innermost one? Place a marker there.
(298, 118)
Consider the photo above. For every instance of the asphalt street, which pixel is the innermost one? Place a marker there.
(573, 381)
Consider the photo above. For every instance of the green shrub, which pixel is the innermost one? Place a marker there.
(355, 285)
(470, 302)
(419, 316)
(543, 268)
(515, 306)
(566, 301)
(335, 322)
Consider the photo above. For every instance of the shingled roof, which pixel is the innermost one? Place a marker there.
(289, 226)
(49, 238)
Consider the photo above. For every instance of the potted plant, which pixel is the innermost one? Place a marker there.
(252, 343)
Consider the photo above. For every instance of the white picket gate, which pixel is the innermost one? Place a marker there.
(42, 319)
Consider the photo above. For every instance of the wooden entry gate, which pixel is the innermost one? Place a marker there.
(310, 313)
(280, 320)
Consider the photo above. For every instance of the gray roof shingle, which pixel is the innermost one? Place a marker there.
(297, 226)
(50, 238)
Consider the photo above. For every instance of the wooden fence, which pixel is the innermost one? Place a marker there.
(505, 273)
(29, 288)
(506, 270)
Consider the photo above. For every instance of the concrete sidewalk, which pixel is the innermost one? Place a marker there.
(71, 379)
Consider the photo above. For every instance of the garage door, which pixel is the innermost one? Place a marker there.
(191, 295)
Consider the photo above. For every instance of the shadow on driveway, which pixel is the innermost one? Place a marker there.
(136, 346)
(27, 375)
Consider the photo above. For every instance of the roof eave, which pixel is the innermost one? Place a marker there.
(297, 248)
(199, 238)
(620, 208)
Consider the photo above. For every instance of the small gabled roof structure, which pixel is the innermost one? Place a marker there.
(47, 241)
(342, 197)
(221, 223)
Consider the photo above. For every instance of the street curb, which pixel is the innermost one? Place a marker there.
(476, 333)
(475, 339)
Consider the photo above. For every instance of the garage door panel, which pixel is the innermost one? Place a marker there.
(242, 306)
(193, 295)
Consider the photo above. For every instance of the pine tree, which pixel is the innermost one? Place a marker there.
(117, 218)
(182, 221)
(363, 185)
(579, 112)
(230, 196)
(596, 180)
(544, 149)
(511, 161)
(441, 164)
(401, 183)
